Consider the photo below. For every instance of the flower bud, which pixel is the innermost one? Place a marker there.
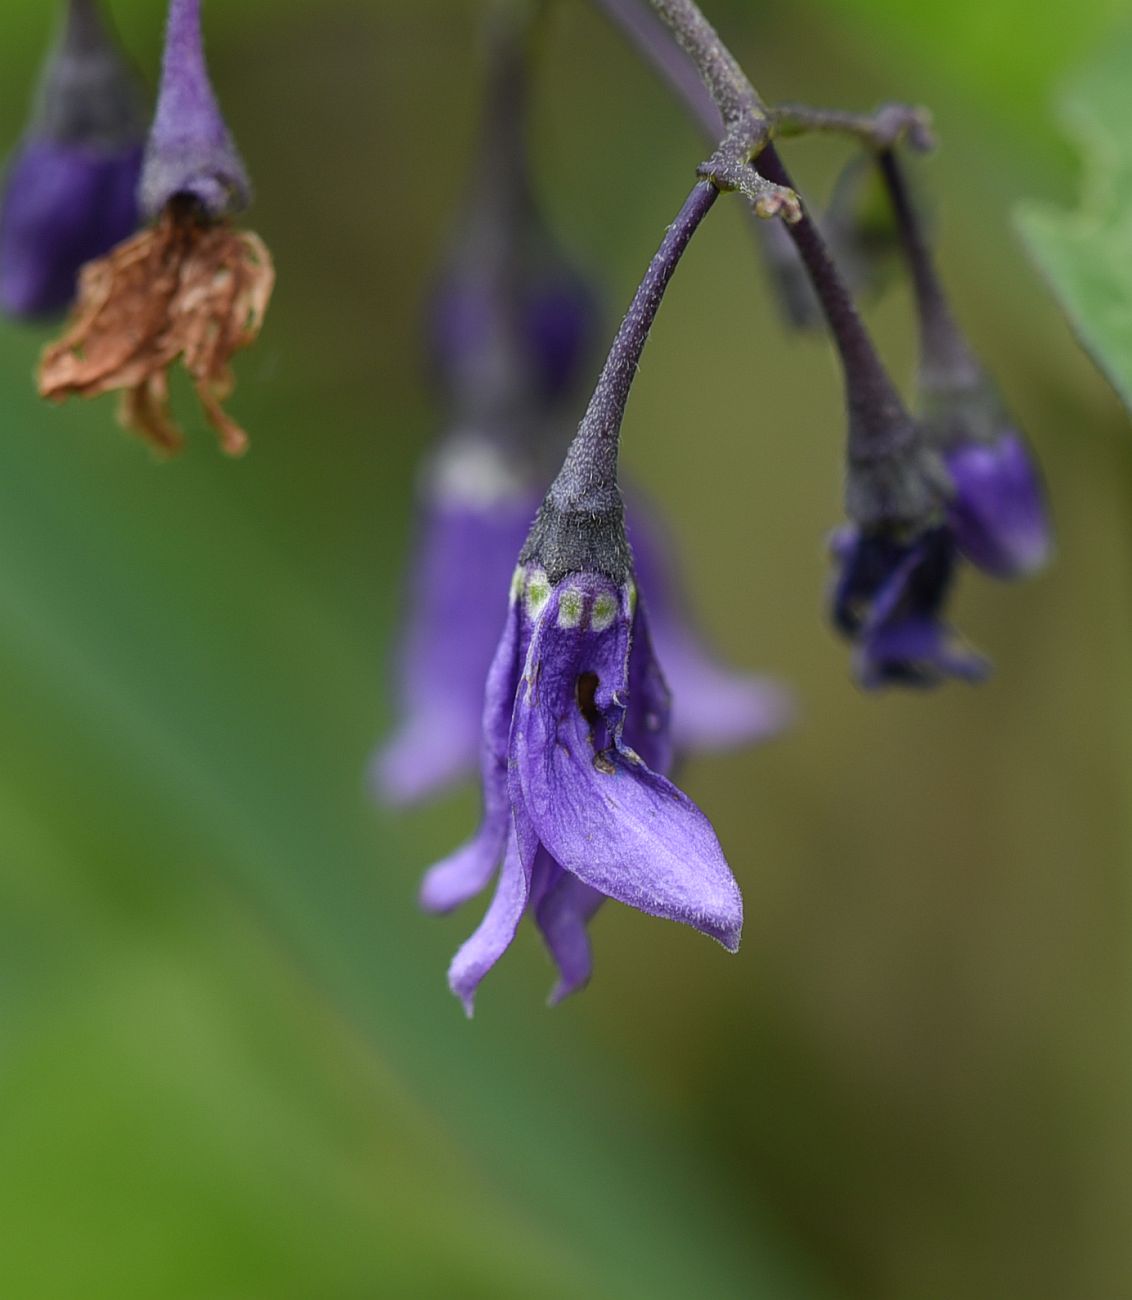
(70, 192)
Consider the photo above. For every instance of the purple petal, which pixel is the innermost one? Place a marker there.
(998, 513)
(456, 595)
(563, 912)
(599, 811)
(917, 652)
(467, 871)
(715, 708)
(496, 931)
(648, 718)
(561, 322)
(429, 751)
(63, 205)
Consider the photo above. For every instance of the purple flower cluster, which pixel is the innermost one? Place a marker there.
(896, 569)
(891, 591)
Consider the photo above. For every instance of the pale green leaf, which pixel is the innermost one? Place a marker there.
(1086, 254)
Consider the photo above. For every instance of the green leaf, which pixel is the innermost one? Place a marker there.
(1086, 255)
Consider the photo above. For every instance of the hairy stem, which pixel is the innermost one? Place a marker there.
(889, 125)
(878, 414)
(944, 351)
(870, 392)
(737, 100)
(589, 473)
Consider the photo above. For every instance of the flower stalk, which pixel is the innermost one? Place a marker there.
(580, 525)
(946, 358)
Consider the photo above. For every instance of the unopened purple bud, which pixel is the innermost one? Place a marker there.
(554, 316)
(69, 195)
(190, 152)
(561, 321)
(997, 508)
(998, 513)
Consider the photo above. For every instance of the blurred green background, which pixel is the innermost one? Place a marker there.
(229, 1065)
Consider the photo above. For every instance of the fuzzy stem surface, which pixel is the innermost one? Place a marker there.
(588, 476)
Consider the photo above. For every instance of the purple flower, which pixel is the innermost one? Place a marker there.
(190, 152)
(576, 806)
(473, 520)
(889, 599)
(69, 194)
(958, 482)
(997, 509)
(555, 315)
(998, 513)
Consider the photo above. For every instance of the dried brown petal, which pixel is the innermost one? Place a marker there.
(184, 288)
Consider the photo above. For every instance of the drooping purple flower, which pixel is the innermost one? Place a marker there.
(956, 483)
(576, 806)
(576, 738)
(997, 510)
(190, 153)
(70, 189)
(889, 600)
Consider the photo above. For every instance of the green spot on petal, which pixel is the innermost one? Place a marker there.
(538, 593)
(605, 611)
(570, 608)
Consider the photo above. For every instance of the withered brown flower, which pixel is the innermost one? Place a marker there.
(185, 287)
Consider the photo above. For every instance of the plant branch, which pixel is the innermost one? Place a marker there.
(878, 419)
(889, 125)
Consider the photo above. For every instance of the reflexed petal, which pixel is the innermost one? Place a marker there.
(917, 652)
(648, 718)
(999, 513)
(468, 870)
(889, 600)
(493, 937)
(562, 913)
(874, 572)
(604, 816)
